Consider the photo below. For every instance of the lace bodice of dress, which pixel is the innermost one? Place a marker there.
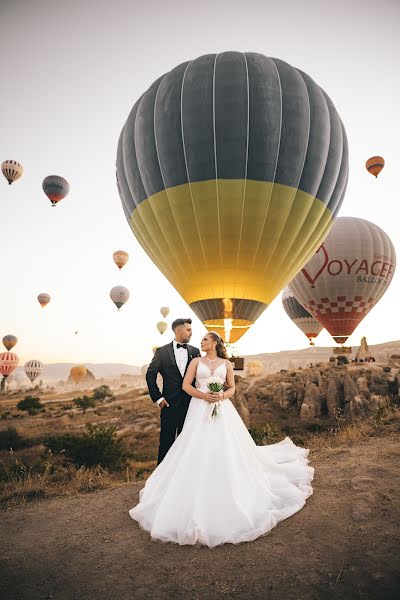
(203, 373)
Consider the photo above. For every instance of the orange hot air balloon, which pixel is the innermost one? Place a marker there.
(9, 341)
(162, 326)
(44, 299)
(374, 165)
(78, 373)
(120, 258)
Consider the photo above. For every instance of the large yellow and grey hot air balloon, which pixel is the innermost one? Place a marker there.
(231, 169)
(12, 170)
(347, 276)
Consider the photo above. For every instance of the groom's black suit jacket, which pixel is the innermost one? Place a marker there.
(164, 362)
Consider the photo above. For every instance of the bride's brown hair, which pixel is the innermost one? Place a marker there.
(220, 347)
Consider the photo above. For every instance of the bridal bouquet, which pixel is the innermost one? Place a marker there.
(215, 384)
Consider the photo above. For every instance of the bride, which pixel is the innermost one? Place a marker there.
(215, 485)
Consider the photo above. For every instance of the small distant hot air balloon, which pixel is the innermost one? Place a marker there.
(119, 295)
(33, 368)
(120, 258)
(12, 170)
(55, 188)
(9, 341)
(162, 326)
(164, 310)
(78, 373)
(44, 299)
(374, 165)
(8, 363)
(308, 324)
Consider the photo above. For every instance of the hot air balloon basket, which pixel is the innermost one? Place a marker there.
(238, 363)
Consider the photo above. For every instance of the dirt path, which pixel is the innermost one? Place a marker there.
(343, 544)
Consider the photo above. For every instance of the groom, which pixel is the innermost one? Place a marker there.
(171, 361)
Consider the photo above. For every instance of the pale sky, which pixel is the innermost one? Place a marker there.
(71, 72)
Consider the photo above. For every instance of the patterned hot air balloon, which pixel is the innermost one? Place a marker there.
(374, 165)
(231, 169)
(119, 295)
(162, 326)
(308, 324)
(12, 170)
(8, 363)
(120, 258)
(33, 368)
(55, 188)
(44, 299)
(9, 341)
(347, 276)
(164, 310)
(78, 373)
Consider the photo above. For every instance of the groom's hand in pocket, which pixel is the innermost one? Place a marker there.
(163, 403)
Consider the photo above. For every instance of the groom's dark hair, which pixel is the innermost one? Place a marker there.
(178, 322)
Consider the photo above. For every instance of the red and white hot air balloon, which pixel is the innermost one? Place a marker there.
(308, 324)
(8, 363)
(347, 275)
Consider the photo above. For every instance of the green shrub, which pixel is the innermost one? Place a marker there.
(10, 438)
(99, 446)
(31, 404)
(84, 402)
(102, 392)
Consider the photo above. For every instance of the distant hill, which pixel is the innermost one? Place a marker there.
(60, 371)
(292, 359)
(272, 361)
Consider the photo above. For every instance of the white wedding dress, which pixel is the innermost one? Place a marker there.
(215, 485)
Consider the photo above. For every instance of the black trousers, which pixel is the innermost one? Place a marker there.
(172, 418)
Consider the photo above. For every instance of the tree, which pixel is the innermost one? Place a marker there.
(84, 402)
(30, 404)
(102, 392)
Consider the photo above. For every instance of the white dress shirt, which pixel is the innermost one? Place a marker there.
(181, 357)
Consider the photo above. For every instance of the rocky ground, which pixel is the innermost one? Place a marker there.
(343, 544)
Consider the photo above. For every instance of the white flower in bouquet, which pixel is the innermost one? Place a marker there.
(215, 384)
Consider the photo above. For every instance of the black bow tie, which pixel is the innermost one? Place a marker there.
(181, 346)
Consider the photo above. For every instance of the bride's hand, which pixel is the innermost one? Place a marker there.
(209, 397)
